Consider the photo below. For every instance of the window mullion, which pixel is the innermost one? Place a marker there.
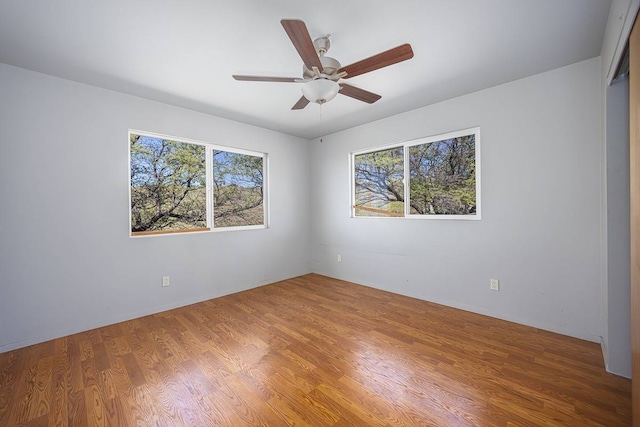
(406, 181)
(209, 192)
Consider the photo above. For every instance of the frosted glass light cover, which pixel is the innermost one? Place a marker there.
(320, 90)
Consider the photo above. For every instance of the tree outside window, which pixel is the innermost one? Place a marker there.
(379, 188)
(237, 189)
(443, 177)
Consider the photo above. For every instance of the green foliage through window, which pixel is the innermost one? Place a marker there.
(170, 188)
(432, 177)
(379, 190)
(442, 177)
(168, 185)
(237, 189)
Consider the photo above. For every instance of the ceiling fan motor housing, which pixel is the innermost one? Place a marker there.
(329, 70)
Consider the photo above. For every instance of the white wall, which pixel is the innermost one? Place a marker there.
(540, 227)
(67, 263)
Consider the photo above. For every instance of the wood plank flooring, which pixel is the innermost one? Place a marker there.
(312, 351)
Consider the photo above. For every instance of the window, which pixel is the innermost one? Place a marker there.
(379, 189)
(435, 177)
(181, 186)
(237, 189)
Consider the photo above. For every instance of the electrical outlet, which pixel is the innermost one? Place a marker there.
(165, 281)
(339, 258)
(494, 285)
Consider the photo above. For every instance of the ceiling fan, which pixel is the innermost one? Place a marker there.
(322, 74)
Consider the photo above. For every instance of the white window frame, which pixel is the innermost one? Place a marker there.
(209, 148)
(406, 181)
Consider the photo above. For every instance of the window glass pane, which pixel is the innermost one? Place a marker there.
(443, 177)
(168, 185)
(238, 192)
(378, 177)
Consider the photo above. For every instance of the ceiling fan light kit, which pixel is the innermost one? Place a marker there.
(320, 90)
(321, 74)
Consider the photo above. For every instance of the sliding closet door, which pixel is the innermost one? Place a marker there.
(634, 152)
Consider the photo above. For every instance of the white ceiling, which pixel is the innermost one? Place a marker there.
(184, 52)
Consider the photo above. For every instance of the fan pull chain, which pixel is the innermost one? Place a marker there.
(321, 139)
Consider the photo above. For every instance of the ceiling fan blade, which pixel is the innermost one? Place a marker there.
(302, 102)
(267, 79)
(384, 59)
(359, 94)
(299, 35)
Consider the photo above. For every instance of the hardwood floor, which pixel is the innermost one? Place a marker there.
(312, 351)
